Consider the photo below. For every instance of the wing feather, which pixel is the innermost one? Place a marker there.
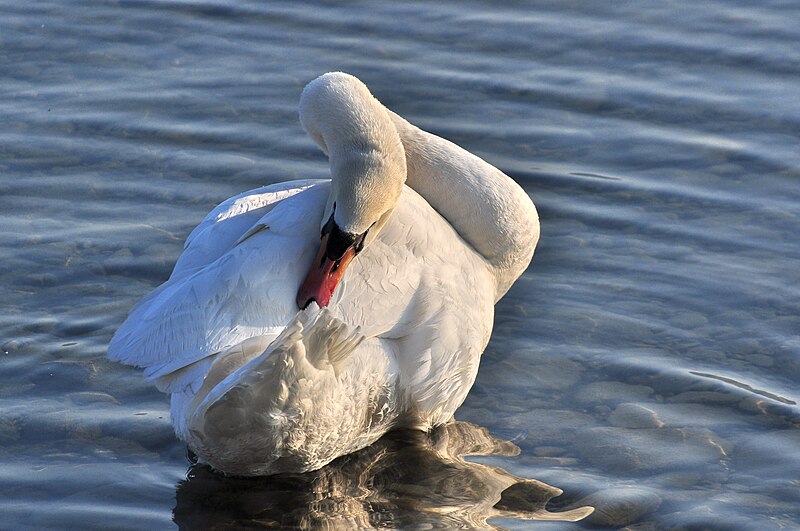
(226, 292)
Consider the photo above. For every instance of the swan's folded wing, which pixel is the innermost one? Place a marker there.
(224, 226)
(248, 291)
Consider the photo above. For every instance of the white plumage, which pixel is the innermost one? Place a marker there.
(259, 387)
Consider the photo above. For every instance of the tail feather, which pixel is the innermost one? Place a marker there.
(264, 407)
(331, 341)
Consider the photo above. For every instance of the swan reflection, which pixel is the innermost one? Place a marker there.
(407, 478)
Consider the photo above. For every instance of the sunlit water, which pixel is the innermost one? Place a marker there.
(647, 364)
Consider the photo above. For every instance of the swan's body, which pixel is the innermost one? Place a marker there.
(258, 387)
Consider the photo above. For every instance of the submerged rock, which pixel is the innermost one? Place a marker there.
(634, 416)
(83, 398)
(706, 397)
(632, 451)
(550, 427)
(612, 392)
(71, 375)
(776, 450)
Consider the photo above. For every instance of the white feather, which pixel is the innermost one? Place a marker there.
(258, 387)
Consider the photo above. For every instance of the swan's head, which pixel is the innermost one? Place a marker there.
(368, 170)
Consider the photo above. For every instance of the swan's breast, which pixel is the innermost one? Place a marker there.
(417, 267)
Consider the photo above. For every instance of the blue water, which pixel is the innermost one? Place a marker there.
(646, 364)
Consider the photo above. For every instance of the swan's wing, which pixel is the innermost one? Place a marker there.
(224, 226)
(221, 229)
(249, 290)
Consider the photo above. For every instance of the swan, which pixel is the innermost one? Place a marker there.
(306, 319)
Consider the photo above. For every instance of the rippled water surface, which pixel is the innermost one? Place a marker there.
(647, 364)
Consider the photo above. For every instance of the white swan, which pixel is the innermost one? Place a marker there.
(419, 239)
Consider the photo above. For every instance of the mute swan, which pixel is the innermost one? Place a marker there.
(395, 264)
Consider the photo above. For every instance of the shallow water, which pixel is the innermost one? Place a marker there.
(646, 364)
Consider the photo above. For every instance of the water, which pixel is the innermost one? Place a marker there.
(646, 364)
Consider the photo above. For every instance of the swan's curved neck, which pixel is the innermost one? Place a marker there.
(373, 150)
(368, 166)
(485, 206)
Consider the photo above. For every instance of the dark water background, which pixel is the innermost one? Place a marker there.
(647, 363)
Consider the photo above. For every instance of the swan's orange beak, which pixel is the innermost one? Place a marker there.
(324, 275)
